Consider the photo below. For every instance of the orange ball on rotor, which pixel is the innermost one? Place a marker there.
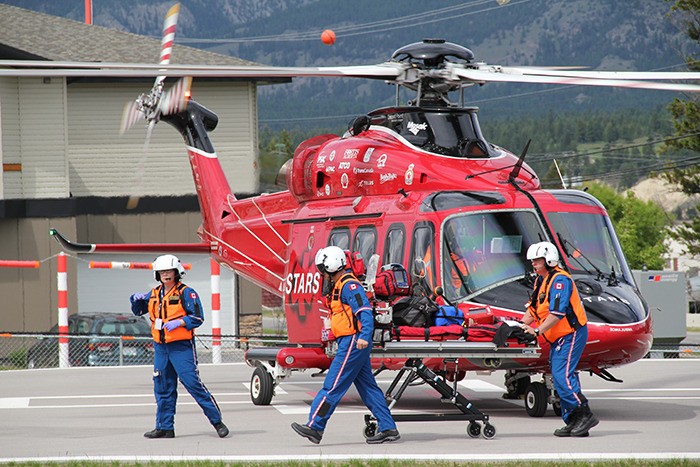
(328, 37)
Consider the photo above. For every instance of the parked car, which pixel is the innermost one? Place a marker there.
(97, 339)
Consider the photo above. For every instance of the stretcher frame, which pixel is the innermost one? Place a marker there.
(452, 352)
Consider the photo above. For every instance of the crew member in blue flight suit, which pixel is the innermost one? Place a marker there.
(352, 325)
(175, 311)
(555, 311)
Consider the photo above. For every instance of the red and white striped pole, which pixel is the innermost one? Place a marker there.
(88, 11)
(216, 311)
(63, 356)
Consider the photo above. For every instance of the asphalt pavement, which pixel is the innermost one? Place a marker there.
(92, 414)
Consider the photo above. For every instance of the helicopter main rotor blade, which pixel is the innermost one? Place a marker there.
(594, 74)
(385, 71)
(498, 74)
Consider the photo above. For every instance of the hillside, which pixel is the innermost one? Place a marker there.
(600, 34)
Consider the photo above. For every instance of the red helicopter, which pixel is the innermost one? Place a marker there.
(408, 187)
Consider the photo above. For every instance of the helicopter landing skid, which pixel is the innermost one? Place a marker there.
(413, 370)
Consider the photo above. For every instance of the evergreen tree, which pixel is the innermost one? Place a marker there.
(641, 226)
(686, 115)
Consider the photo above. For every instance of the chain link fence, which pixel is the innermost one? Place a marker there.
(18, 351)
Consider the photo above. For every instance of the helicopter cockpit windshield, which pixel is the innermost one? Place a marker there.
(484, 260)
(444, 131)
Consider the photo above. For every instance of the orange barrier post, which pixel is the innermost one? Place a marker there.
(216, 311)
(63, 355)
(6, 263)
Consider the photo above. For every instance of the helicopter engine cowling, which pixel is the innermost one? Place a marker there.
(300, 177)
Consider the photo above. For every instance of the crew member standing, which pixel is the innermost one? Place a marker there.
(175, 311)
(555, 311)
(352, 325)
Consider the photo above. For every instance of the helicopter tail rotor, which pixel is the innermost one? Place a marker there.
(157, 102)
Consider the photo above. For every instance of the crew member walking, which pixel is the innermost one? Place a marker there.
(556, 312)
(175, 311)
(352, 325)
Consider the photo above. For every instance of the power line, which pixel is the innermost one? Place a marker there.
(356, 29)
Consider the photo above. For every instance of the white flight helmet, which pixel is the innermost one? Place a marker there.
(544, 250)
(330, 259)
(165, 263)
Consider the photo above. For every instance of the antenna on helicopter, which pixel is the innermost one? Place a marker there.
(518, 165)
(563, 184)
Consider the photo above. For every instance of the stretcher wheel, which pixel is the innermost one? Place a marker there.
(489, 431)
(370, 430)
(262, 387)
(474, 429)
(536, 399)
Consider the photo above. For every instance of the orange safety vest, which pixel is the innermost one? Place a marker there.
(170, 309)
(539, 308)
(343, 320)
(464, 268)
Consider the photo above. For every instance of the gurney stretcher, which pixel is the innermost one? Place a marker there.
(481, 354)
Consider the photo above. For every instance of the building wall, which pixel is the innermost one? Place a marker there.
(104, 163)
(43, 138)
(29, 296)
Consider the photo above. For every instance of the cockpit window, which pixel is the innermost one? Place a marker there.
(587, 242)
(484, 250)
(449, 132)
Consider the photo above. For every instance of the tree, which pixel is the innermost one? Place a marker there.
(641, 226)
(686, 116)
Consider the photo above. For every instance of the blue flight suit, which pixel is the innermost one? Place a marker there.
(352, 365)
(177, 359)
(565, 352)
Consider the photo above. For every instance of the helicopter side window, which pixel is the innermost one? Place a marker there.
(340, 237)
(394, 244)
(423, 256)
(365, 241)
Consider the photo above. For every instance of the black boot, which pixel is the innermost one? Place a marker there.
(570, 422)
(309, 433)
(585, 422)
(221, 429)
(159, 434)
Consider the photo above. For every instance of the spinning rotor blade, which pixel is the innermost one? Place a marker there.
(175, 99)
(386, 71)
(490, 74)
(168, 39)
(156, 103)
(132, 113)
(625, 75)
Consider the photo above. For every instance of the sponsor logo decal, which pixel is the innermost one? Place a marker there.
(381, 161)
(351, 153)
(408, 177)
(363, 170)
(383, 178)
(416, 127)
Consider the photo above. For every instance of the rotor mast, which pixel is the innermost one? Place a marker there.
(430, 74)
